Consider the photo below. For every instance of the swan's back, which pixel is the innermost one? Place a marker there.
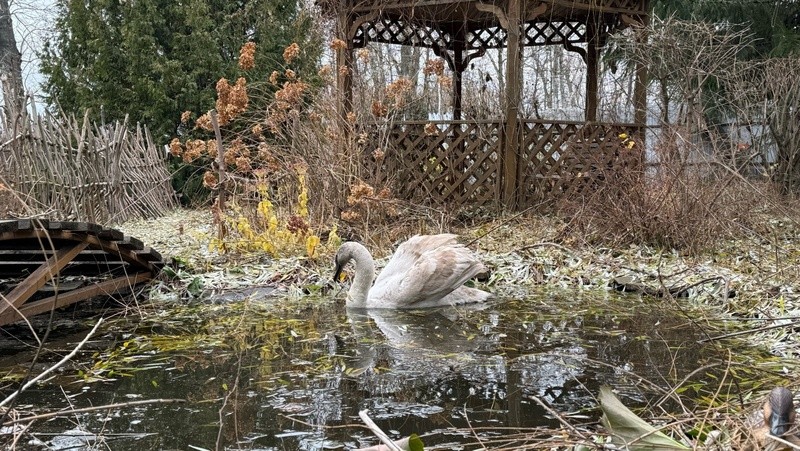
(427, 271)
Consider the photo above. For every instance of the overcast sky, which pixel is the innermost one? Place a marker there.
(33, 23)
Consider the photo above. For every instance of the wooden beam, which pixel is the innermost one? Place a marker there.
(48, 270)
(105, 288)
(592, 63)
(458, 45)
(512, 97)
(640, 89)
(344, 66)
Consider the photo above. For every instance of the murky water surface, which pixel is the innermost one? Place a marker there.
(273, 376)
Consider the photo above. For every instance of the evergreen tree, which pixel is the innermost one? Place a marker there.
(153, 59)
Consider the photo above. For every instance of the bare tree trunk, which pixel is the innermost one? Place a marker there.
(10, 67)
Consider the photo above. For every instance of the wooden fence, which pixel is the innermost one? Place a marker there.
(461, 163)
(67, 170)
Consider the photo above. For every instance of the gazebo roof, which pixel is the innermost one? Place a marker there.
(479, 24)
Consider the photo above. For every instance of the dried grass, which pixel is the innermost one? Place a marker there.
(689, 206)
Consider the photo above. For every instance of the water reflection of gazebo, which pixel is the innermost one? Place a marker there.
(512, 161)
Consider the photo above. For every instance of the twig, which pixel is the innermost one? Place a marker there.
(474, 433)
(749, 331)
(322, 426)
(784, 442)
(543, 244)
(364, 415)
(559, 417)
(54, 367)
(92, 409)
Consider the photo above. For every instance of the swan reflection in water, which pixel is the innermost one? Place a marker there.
(454, 352)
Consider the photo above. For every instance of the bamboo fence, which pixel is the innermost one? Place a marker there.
(66, 169)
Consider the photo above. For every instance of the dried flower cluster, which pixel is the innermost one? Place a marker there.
(398, 91)
(362, 198)
(247, 56)
(175, 147)
(291, 52)
(431, 129)
(338, 44)
(434, 67)
(379, 109)
(297, 225)
(325, 72)
(288, 99)
(232, 100)
(210, 180)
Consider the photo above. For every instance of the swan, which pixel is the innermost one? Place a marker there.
(776, 418)
(425, 271)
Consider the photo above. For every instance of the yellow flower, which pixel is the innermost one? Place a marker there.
(623, 136)
(333, 237)
(312, 241)
(264, 209)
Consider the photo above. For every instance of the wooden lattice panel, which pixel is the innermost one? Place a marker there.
(403, 32)
(398, 31)
(442, 162)
(565, 158)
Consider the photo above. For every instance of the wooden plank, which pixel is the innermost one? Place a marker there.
(105, 288)
(38, 278)
(125, 250)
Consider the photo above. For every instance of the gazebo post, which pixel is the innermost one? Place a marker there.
(640, 88)
(344, 65)
(512, 96)
(459, 64)
(592, 61)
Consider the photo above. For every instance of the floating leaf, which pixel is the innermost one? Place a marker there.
(629, 430)
(415, 443)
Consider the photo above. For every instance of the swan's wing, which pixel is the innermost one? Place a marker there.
(409, 252)
(434, 275)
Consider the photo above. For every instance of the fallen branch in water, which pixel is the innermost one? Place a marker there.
(390, 444)
(749, 331)
(560, 419)
(44, 373)
(92, 409)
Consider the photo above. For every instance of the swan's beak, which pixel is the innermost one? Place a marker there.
(337, 272)
(779, 423)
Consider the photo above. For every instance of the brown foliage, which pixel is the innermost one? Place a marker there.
(675, 205)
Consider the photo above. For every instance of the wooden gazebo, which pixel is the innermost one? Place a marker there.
(511, 161)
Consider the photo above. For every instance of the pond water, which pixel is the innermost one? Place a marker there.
(281, 375)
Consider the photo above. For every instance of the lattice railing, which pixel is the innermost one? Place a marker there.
(564, 158)
(440, 162)
(460, 163)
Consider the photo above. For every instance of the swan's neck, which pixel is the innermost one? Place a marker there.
(365, 274)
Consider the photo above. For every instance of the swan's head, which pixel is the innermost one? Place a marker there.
(338, 264)
(345, 253)
(779, 411)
